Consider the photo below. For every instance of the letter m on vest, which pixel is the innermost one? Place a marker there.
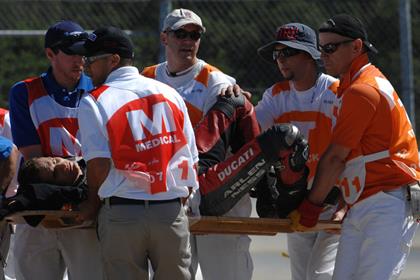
(62, 143)
(162, 117)
(147, 134)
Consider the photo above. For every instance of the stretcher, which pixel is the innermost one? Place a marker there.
(198, 225)
(250, 226)
(57, 219)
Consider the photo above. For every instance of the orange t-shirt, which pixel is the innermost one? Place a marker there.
(372, 119)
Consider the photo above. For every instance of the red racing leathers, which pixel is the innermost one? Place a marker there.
(231, 123)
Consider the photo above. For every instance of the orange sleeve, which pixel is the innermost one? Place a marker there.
(358, 107)
(149, 72)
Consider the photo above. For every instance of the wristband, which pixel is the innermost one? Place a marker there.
(309, 213)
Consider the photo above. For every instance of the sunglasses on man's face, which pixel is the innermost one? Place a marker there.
(183, 34)
(332, 47)
(285, 53)
(88, 60)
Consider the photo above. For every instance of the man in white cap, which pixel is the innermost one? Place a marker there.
(219, 256)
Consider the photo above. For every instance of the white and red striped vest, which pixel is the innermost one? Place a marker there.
(56, 125)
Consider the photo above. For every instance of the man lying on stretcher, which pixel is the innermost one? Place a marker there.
(47, 183)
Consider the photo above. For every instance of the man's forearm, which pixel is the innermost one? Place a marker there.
(97, 171)
(329, 169)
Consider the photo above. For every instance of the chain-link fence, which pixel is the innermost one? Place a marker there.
(235, 29)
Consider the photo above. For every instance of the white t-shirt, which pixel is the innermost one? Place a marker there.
(125, 85)
(312, 111)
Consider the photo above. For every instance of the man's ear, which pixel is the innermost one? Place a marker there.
(49, 53)
(164, 38)
(358, 46)
(115, 60)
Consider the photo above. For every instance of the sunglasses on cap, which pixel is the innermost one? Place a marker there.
(68, 40)
(183, 34)
(284, 53)
(332, 47)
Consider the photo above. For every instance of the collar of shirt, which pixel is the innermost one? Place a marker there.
(180, 73)
(179, 82)
(125, 73)
(355, 68)
(60, 94)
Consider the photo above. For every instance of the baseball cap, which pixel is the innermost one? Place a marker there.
(64, 35)
(294, 35)
(180, 17)
(348, 26)
(107, 39)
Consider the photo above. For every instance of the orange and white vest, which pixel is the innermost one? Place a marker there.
(199, 87)
(56, 125)
(145, 123)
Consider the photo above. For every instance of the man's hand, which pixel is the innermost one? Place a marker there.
(338, 216)
(295, 222)
(97, 171)
(278, 138)
(88, 211)
(305, 216)
(236, 91)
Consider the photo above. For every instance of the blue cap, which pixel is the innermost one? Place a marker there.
(294, 35)
(64, 35)
(6, 147)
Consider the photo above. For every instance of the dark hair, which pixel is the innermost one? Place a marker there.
(29, 172)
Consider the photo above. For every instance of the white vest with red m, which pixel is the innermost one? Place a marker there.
(56, 125)
(148, 128)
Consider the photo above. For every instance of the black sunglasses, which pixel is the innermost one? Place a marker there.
(91, 59)
(284, 53)
(332, 47)
(183, 34)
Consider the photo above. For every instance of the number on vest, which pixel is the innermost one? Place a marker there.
(184, 167)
